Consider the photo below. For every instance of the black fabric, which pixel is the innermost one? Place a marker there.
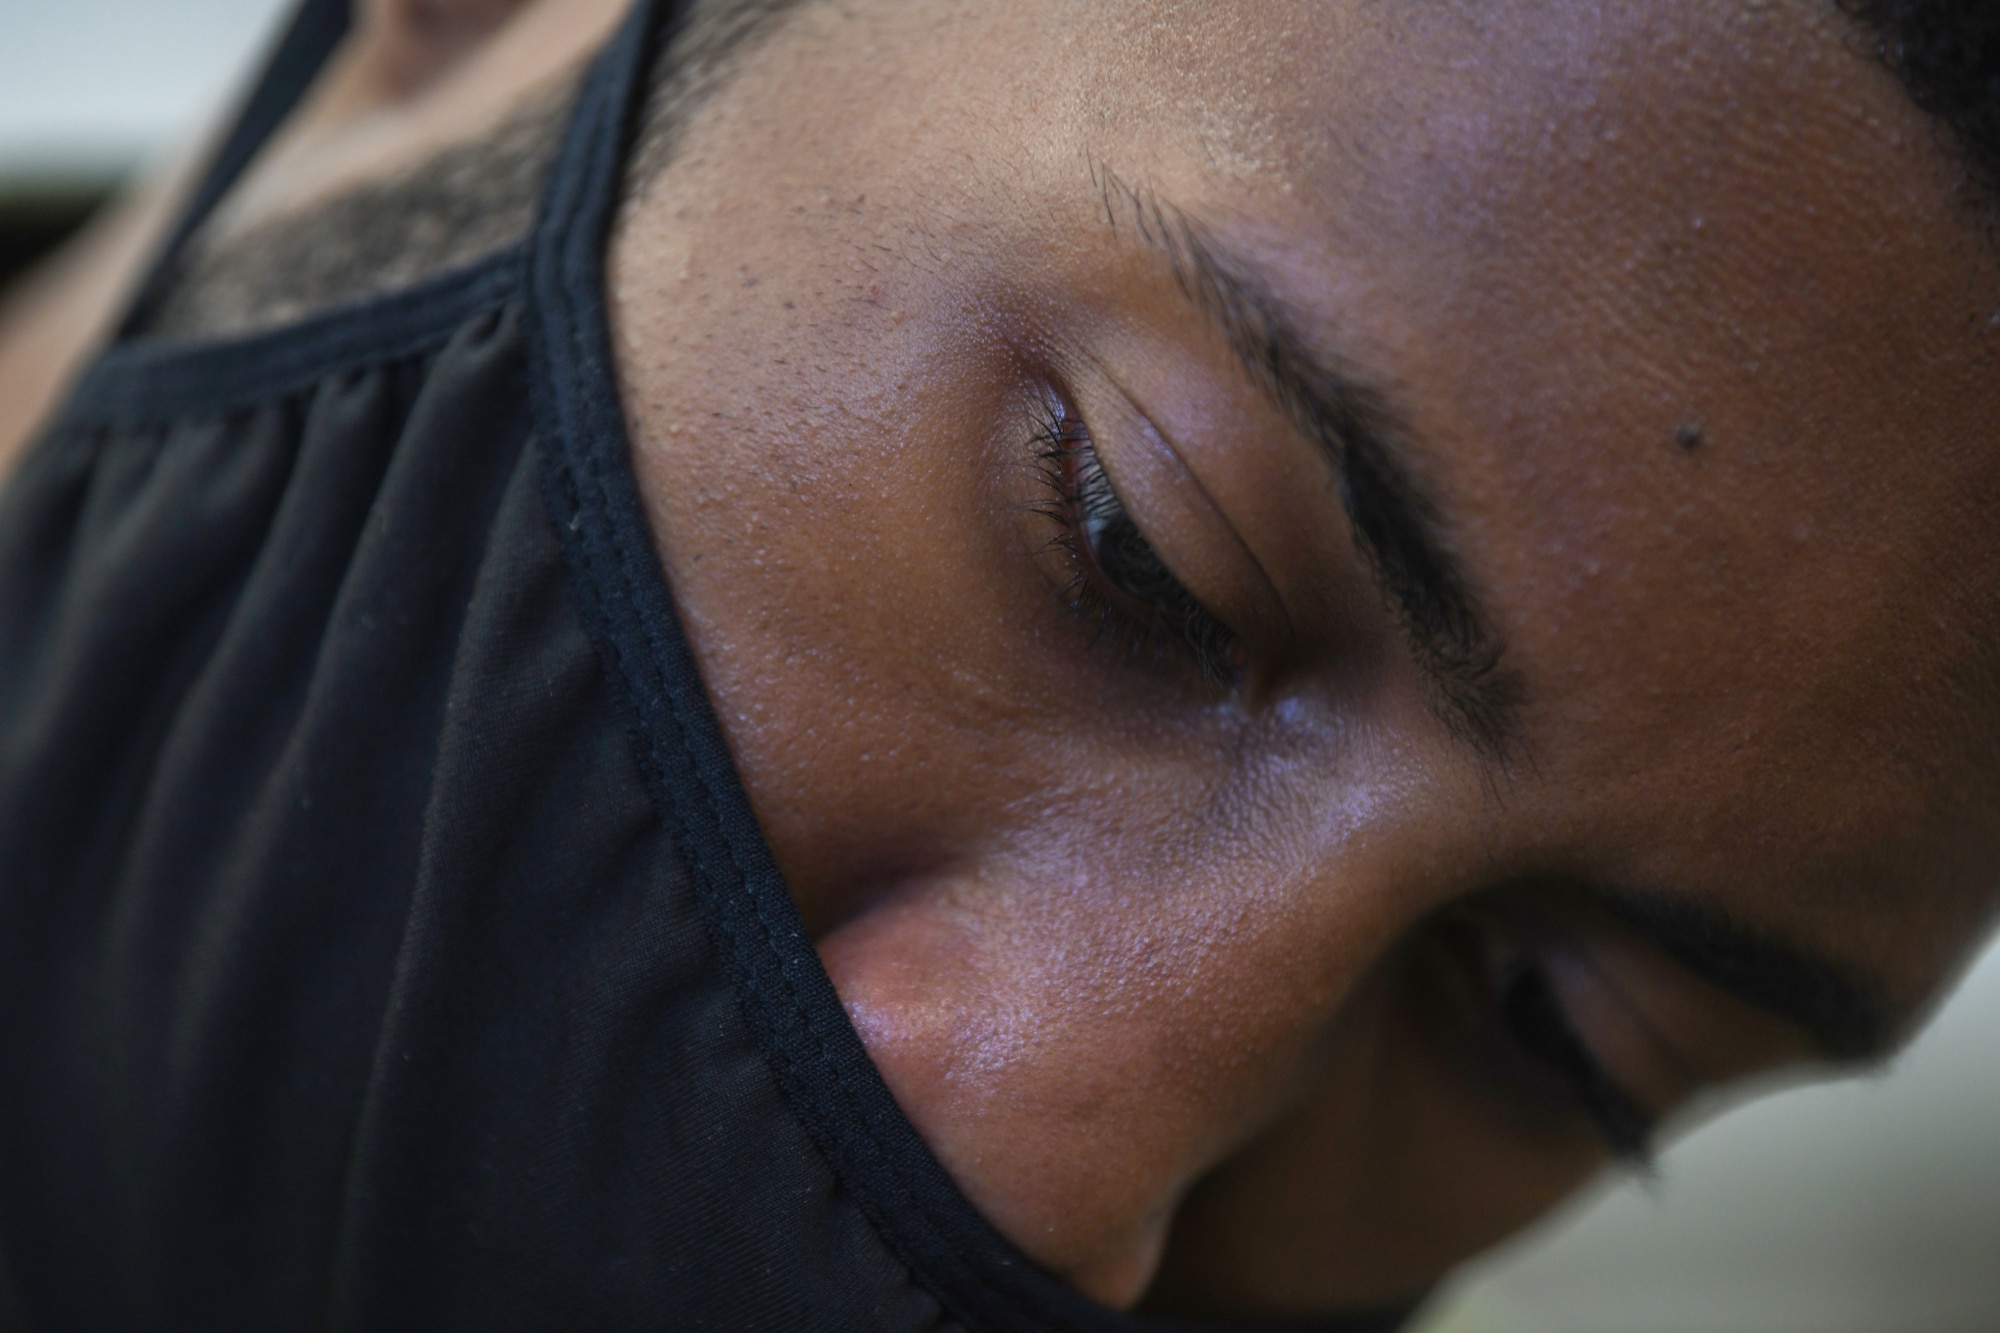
(385, 939)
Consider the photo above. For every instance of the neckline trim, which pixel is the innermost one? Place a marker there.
(155, 378)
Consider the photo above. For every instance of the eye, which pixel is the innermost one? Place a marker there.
(1500, 1000)
(1533, 1017)
(1120, 583)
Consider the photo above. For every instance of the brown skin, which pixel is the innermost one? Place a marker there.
(1139, 955)
(1171, 975)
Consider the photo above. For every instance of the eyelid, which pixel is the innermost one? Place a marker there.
(1513, 946)
(1571, 968)
(1711, 1038)
(1119, 581)
(1168, 500)
(1551, 1034)
(1678, 1044)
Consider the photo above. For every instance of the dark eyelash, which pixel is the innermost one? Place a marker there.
(1534, 1017)
(1106, 546)
(1492, 1000)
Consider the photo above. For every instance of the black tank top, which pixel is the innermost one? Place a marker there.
(386, 941)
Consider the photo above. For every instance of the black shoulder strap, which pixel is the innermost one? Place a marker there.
(316, 29)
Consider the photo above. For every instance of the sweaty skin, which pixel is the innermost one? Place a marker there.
(1683, 317)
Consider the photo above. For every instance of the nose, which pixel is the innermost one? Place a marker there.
(1127, 1265)
(1078, 1052)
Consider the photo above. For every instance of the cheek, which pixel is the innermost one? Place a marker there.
(874, 650)
(820, 467)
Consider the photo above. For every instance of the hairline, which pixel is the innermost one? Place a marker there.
(697, 57)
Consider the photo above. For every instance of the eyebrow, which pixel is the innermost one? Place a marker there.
(1354, 425)
(1401, 534)
(1841, 1011)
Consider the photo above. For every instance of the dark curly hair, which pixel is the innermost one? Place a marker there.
(1947, 53)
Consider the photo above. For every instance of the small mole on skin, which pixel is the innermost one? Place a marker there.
(1689, 435)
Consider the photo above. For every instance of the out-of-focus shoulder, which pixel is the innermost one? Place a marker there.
(59, 315)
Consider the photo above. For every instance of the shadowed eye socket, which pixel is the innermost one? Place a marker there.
(1119, 585)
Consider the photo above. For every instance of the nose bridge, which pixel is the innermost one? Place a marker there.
(1263, 906)
(1353, 858)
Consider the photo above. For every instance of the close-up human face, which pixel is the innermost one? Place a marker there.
(1319, 649)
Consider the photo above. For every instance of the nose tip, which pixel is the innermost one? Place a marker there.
(1120, 1274)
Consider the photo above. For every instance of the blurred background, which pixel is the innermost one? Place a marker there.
(1863, 1207)
(93, 90)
